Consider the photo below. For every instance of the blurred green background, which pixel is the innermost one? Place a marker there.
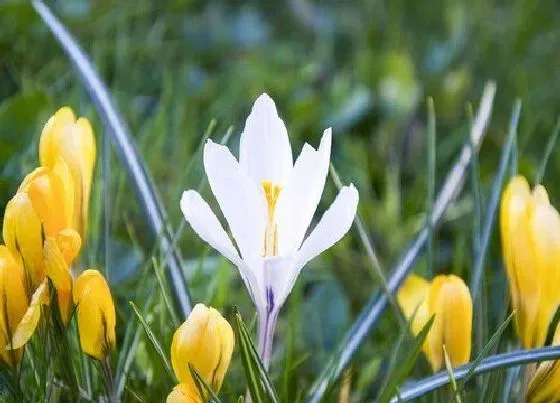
(365, 68)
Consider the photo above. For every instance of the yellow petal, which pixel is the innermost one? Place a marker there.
(519, 256)
(22, 234)
(56, 266)
(544, 231)
(545, 384)
(183, 393)
(29, 322)
(205, 340)
(96, 314)
(51, 194)
(13, 301)
(48, 144)
(453, 320)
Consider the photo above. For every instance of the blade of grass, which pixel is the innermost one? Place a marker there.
(258, 383)
(491, 343)
(431, 173)
(371, 313)
(204, 391)
(407, 363)
(154, 341)
(547, 153)
(499, 361)
(370, 251)
(122, 139)
(449, 369)
(495, 201)
(164, 293)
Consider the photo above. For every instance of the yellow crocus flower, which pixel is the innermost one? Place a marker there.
(530, 230)
(96, 314)
(183, 393)
(545, 383)
(205, 340)
(72, 140)
(448, 299)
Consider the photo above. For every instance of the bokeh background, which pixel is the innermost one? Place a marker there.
(180, 68)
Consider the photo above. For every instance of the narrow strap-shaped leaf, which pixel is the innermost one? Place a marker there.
(154, 341)
(494, 202)
(258, 383)
(491, 343)
(204, 391)
(408, 362)
(505, 360)
(376, 305)
(126, 150)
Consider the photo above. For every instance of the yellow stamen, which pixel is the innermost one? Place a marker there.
(271, 193)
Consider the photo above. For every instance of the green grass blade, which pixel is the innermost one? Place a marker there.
(204, 391)
(547, 153)
(499, 361)
(494, 202)
(406, 364)
(126, 150)
(154, 341)
(449, 369)
(431, 173)
(491, 343)
(258, 383)
(371, 313)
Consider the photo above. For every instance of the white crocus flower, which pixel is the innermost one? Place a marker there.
(268, 202)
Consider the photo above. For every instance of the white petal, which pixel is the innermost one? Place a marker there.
(299, 199)
(334, 224)
(265, 152)
(205, 223)
(240, 200)
(277, 274)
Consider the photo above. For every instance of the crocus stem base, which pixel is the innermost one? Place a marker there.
(267, 324)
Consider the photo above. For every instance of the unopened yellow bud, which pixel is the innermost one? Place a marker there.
(72, 140)
(96, 314)
(448, 299)
(183, 393)
(205, 340)
(530, 230)
(13, 304)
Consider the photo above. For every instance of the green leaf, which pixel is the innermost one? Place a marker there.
(491, 343)
(258, 383)
(407, 363)
(154, 341)
(204, 391)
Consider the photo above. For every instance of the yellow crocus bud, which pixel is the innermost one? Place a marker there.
(205, 340)
(545, 383)
(530, 231)
(96, 314)
(13, 304)
(72, 140)
(448, 299)
(183, 393)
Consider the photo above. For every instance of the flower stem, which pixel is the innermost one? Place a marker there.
(267, 324)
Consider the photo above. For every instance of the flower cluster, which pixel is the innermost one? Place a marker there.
(44, 226)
